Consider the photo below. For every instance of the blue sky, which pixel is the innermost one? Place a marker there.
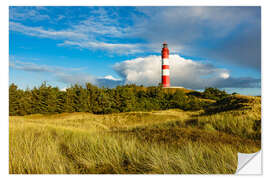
(107, 46)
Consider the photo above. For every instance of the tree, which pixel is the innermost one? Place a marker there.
(14, 100)
(126, 98)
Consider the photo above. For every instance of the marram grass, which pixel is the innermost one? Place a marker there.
(159, 142)
(48, 150)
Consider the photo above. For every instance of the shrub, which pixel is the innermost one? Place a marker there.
(214, 93)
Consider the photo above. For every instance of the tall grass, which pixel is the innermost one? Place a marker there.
(245, 122)
(158, 142)
(55, 150)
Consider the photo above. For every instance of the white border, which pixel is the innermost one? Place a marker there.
(4, 75)
(4, 90)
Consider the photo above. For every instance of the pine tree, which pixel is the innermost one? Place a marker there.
(14, 98)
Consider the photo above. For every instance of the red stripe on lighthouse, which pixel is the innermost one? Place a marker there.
(165, 81)
(165, 77)
(165, 67)
(165, 55)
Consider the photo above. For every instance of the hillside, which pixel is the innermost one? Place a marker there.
(156, 142)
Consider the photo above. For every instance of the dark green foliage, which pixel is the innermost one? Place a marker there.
(19, 101)
(226, 104)
(89, 98)
(179, 100)
(77, 99)
(214, 93)
(103, 103)
(196, 94)
(43, 99)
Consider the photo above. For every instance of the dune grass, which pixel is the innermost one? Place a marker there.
(159, 142)
(55, 150)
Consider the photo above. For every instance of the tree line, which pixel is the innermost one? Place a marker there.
(46, 99)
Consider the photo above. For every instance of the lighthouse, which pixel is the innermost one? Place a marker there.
(165, 76)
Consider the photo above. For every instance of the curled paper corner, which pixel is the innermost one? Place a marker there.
(249, 164)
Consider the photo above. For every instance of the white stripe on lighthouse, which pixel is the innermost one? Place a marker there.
(165, 72)
(165, 61)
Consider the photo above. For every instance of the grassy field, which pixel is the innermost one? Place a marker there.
(158, 142)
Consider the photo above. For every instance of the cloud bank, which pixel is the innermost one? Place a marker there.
(183, 72)
(147, 71)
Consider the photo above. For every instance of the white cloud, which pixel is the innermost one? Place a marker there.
(110, 77)
(102, 25)
(62, 74)
(81, 78)
(28, 13)
(41, 32)
(113, 47)
(108, 81)
(28, 66)
(80, 36)
(183, 72)
(224, 75)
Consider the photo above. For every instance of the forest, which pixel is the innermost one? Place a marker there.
(46, 99)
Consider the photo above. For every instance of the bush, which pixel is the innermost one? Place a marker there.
(214, 93)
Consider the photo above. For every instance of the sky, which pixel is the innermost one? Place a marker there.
(109, 46)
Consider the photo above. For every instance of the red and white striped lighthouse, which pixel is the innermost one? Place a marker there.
(165, 66)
